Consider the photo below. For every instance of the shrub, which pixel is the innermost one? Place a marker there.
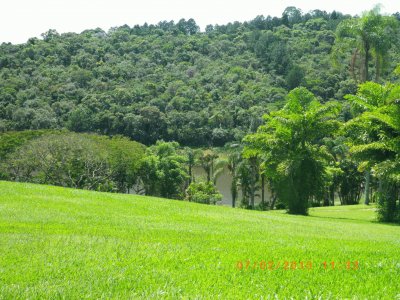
(203, 192)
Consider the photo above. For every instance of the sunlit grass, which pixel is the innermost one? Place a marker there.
(346, 212)
(74, 244)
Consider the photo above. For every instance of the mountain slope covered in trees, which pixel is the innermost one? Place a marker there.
(170, 81)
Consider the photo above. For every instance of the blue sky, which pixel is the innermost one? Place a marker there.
(22, 19)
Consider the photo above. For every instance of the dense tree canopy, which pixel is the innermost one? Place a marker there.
(170, 81)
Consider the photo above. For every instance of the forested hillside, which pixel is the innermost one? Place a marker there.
(170, 81)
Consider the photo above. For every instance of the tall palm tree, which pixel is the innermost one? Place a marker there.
(370, 36)
(232, 163)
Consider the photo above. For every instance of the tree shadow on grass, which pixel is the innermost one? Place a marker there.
(355, 219)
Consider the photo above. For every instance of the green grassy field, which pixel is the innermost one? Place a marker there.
(74, 244)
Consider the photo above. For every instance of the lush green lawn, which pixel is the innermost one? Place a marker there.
(73, 244)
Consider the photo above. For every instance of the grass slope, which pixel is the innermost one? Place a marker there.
(74, 244)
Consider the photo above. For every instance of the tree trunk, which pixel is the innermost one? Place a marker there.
(211, 175)
(379, 188)
(332, 195)
(365, 67)
(252, 195)
(353, 64)
(273, 201)
(377, 68)
(392, 193)
(388, 201)
(234, 191)
(190, 174)
(367, 181)
(262, 190)
(371, 194)
(326, 198)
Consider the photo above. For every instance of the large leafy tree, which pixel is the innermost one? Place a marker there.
(375, 140)
(370, 37)
(163, 171)
(369, 97)
(72, 160)
(289, 144)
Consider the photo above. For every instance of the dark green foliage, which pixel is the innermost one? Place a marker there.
(280, 205)
(80, 120)
(163, 171)
(295, 77)
(273, 52)
(124, 158)
(170, 81)
(76, 160)
(374, 136)
(291, 149)
(248, 176)
(388, 198)
(203, 192)
(349, 182)
(11, 140)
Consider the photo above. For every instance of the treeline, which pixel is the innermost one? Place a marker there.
(172, 82)
(304, 153)
(101, 163)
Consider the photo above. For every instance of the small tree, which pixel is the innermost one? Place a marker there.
(207, 162)
(233, 162)
(212, 164)
(249, 179)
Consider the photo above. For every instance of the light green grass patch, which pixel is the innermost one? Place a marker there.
(74, 244)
